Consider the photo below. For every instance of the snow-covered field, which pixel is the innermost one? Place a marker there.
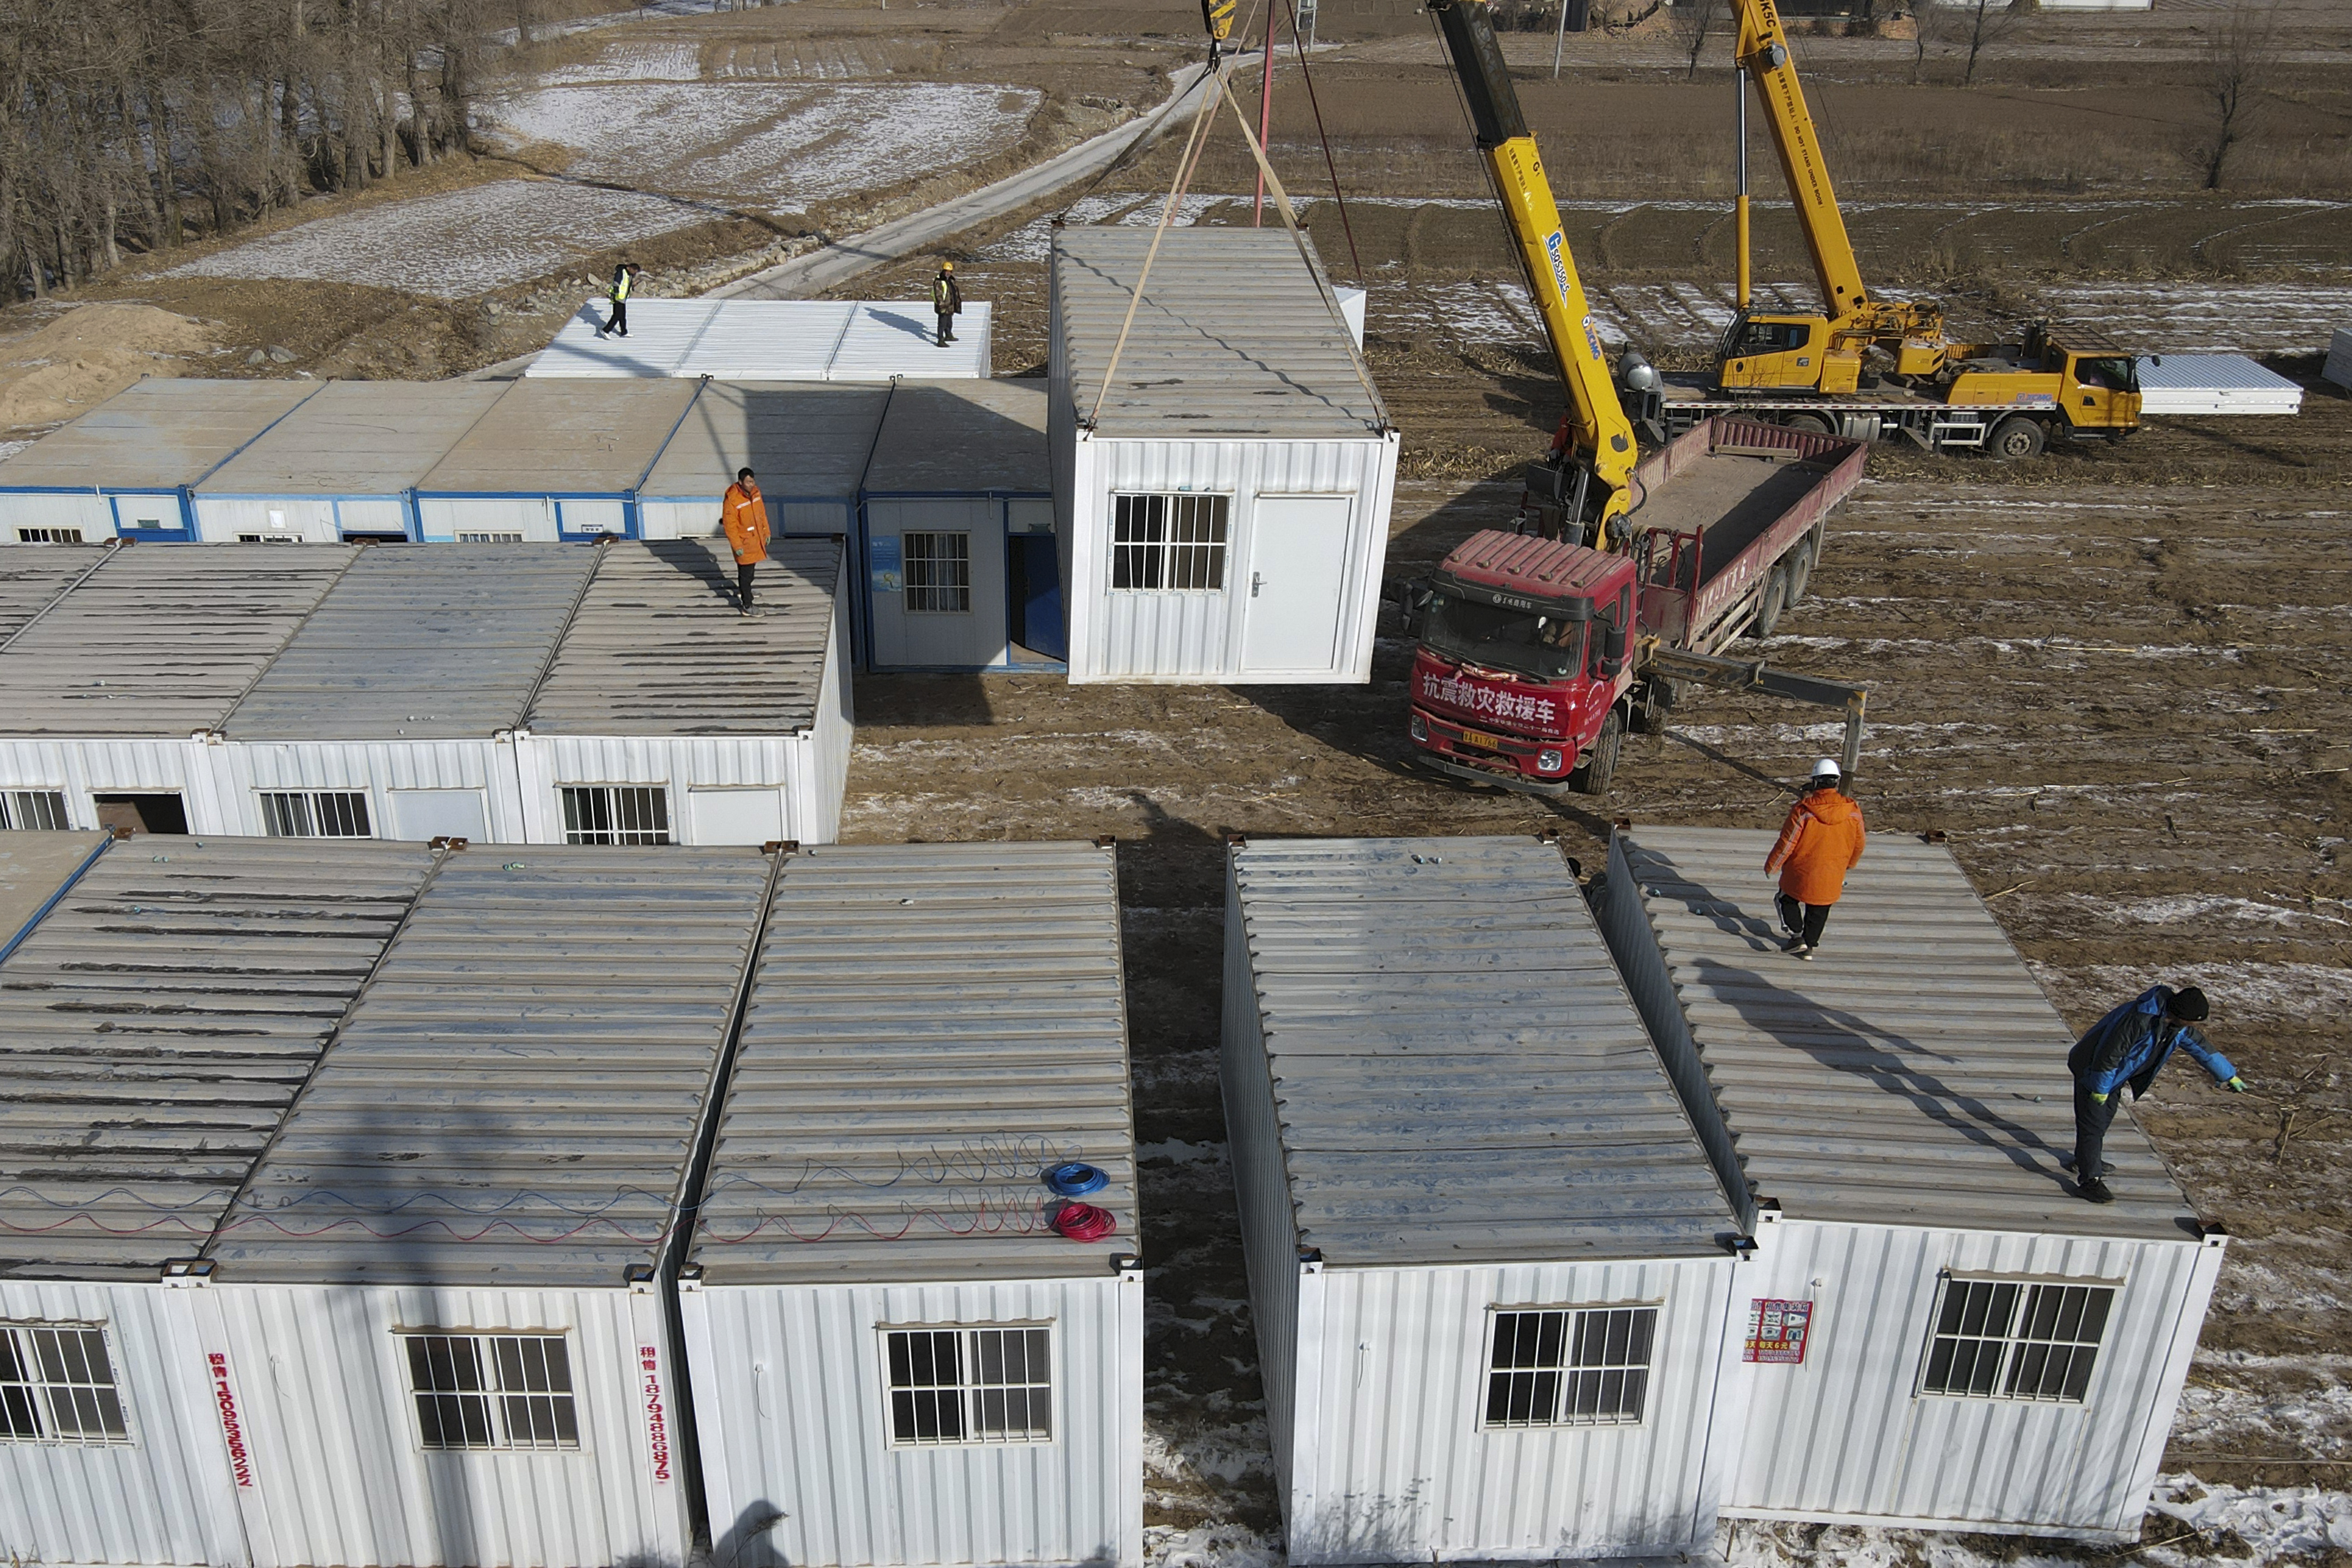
(458, 244)
(781, 147)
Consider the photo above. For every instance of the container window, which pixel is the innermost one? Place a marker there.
(38, 810)
(939, 574)
(2006, 1339)
(970, 1385)
(49, 536)
(56, 1385)
(493, 1391)
(322, 814)
(493, 537)
(1570, 1367)
(616, 813)
(1170, 542)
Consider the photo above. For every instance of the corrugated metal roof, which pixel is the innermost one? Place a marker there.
(1516, 560)
(658, 648)
(768, 340)
(1460, 1075)
(964, 437)
(1914, 1074)
(158, 435)
(516, 1097)
(162, 639)
(33, 575)
(932, 1026)
(154, 1028)
(563, 437)
(805, 440)
(1234, 337)
(32, 866)
(357, 439)
(434, 643)
(2214, 384)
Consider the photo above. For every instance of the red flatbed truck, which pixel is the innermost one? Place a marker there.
(1537, 654)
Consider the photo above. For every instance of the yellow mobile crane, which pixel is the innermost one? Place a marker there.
(1594, 477)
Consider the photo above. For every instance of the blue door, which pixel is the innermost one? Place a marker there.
(1036, 584)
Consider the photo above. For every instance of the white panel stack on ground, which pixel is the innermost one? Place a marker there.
(518, 694)
(2338, 368)
(1491, 1267)
(908, 1347)
(1222, 464)
(2213, 383)
(771, 340)
(1983, 1348)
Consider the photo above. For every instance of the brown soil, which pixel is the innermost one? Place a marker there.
(65, 366)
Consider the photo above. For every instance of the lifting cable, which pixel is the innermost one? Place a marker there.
(1337, 194)
(1144, 139)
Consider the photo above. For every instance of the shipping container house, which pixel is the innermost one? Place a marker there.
(344, 465)
(807, 444)
(128, 467)
(898, 1359)
(1223, 500)
(1982, 1349)
(552, 460)
(1490, 1264)
(961, 565)
(770, 339)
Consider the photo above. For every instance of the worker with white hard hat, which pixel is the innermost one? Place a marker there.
(1818, 844)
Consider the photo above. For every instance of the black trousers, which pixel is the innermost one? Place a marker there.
(1808, 920)
(947, 328)
(743, 570)
(620, 322)
(2092, 1119)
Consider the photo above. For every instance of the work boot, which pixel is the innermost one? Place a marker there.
(1797, 947)
(2095, 1191)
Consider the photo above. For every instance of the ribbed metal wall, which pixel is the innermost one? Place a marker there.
(700, 518)
(220, 520)
(82, 768)
(789, 764)
(38, 509)
(444, 517)
(790, 1397)
(1193, 636)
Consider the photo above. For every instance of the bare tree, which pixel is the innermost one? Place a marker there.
(2241, 54)
(1692, 20)
(1932, 21)
(1982, 23)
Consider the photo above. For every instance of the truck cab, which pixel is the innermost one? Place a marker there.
(1785, 353)
(2069, 378)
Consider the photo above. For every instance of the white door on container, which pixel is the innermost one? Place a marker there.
(439, 814)
(1290, 597)
(937, 571)
(735, 815)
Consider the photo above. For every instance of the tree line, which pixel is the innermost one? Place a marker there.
(130, 126)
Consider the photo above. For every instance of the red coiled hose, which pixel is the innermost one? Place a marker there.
(1084, 1222)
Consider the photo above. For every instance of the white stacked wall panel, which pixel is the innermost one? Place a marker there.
(479, 775)
(789, 1379)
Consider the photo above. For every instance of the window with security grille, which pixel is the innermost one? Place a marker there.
(970, 1385)
(49, 536)
(1575, 1366)
(320, 814)
(36, 810)
(616, 813)
(492, 1391)
(2011, 1338)
(939, 574)
(1170, 542)
(56, 1385)
(492, 538)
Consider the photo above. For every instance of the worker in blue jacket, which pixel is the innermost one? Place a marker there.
(2127, 1047)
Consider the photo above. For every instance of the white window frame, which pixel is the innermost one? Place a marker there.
(971, 1388)
(490, 536)
(615, 831)
(35, 1396)
(945, 588)
(1566, 1369)
(316, 813)
(2034, 1297)
(1188, 544)
(496, 1400)
(49, 536)
(19, 807)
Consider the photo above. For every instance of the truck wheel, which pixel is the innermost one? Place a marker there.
(1801, 569)
(1811, 424)
(2016, 438)
(1601, 763)
(1775, 600)
(1650, 709)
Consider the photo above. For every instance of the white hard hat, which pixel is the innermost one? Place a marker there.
(1826, 768)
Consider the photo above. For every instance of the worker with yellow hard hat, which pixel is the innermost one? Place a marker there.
(946, 301)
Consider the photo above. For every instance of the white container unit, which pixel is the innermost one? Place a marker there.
(1980, 1348)
(341, 465)
(2214, 384)
(552, 460)
(1223, 510)
(2337, 369)
(895, 1358)
(1491, 1267)
(770, 339)
(126, 1144)
(126, 469)
(961, 566)
(806, 442)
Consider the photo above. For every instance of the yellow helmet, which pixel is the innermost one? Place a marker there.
(947, 266)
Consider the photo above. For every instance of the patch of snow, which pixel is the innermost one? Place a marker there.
(2191, 318)
(10, 449)
(458, 244)
(2240, 992)
(1209, 1546)
(1034, 241)
(2275, 1523)
(1181, 1152)
(633, 62)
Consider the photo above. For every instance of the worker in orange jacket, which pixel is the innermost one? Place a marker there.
(1820, 843)
(744, 515)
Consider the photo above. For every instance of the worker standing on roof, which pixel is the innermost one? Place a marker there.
(2127, 1047)
(1820, 843)
(946, 301)
(744, 515)
(624, 277)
